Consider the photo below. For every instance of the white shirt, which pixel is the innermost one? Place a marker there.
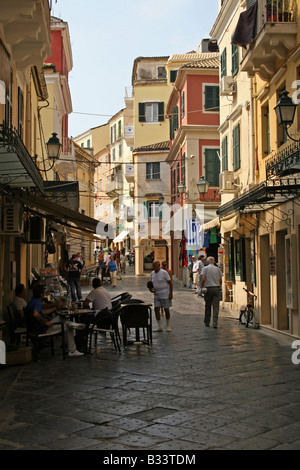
(196, 266)
(100, 298)
(161, 284)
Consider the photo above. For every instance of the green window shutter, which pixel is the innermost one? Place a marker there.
(183, 168)
(212, 98)
(171, 128)
(175, 118)
(160, 210)
(212, 166)
(119, 128)
(224, 63)
(235, 60)
(236, 147)
(161, 111)
(142, 117)
(224, 154)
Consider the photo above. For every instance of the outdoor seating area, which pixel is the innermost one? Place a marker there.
(128, 322)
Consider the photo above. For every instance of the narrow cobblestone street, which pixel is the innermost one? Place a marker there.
(195, 388)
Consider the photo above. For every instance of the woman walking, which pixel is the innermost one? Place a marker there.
(113, 270)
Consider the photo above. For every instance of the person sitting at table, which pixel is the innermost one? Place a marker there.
(100, 300)
(19, 303)
(48, 325)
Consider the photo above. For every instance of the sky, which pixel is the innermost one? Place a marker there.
(107, 36)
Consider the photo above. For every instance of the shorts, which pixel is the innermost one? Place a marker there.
(165, 303)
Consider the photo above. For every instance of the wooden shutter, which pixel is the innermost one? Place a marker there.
(175, 118)
(161, 111)
(182, 105)
(224, 154)
(236, 147)
(235, 60)
(142, 117)
(212, 98)
(212, 166)
(224, 63)
(173, 75)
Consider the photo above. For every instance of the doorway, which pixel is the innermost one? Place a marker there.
(282, 311)
(265, 280)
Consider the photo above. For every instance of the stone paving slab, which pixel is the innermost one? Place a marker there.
(195, 388)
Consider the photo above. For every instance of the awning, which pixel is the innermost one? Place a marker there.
(17, 168)
(211, 224)
(121, 236)
(229, 224)
(57, 213)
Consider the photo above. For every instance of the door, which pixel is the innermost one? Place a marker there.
(282, 311)
(265, 280)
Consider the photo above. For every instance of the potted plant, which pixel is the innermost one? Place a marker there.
(284, 12)
(272, 11)
(84, 280)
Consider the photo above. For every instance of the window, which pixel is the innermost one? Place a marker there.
(113, 154)
(223, 63)
(212, 98)
(120, 151)
(113, 133)
(151, 112)
(152, 210)
(20, 112)
(212, 166)
(153, 171)
(88, 144)
(265, 124)
(183, 168)
(173, 75)
(161, 72)
(235, 60)
(106, 158)
(119, 129)
(281, 131)
(236, 147)
(100, 185)
(182, 105)
(224, 154)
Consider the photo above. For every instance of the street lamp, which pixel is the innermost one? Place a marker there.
(53, 147)
(285, 112)
(202, 186)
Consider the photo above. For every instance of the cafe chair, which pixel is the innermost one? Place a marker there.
(122, 297)
(15, 325)
(107, 322)
(136, 315)
(42, 340)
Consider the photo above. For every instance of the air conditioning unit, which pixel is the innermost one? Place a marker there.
(227, 181)
(36, 230)
(228, 86)
(13, 222)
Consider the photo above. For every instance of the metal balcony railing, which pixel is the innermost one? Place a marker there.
(285, 162)
(276, 11)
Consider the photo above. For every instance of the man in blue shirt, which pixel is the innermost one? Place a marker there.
(44, 324)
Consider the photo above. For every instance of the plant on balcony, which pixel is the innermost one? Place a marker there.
(272, 10)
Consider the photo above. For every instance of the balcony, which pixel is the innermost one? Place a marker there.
(67, 162)
(285, 162)
(113, 188)
(26, 30)
(276, 36)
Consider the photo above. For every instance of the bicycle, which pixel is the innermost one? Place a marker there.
(247, 314)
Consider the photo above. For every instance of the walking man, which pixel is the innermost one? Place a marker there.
(163, 293)
(212, 281)
(74, 267)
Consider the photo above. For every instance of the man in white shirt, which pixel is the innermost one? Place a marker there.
(212, 281)
(163, 293)
(99, 296)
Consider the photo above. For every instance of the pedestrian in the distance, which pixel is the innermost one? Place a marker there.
(211, 281)
(113, 270)
(163, 293)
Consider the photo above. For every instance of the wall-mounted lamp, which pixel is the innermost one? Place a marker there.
(53, 149)
(202, 186)
(285, 112)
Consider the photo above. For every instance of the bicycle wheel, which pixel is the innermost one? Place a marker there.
(243, 317)
(249, 317)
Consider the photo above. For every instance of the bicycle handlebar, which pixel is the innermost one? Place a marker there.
(251, 293)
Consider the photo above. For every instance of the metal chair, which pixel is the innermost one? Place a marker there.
(107, 322)
(137, 315)
(122, 297)
(38, 339)
(14, 322)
